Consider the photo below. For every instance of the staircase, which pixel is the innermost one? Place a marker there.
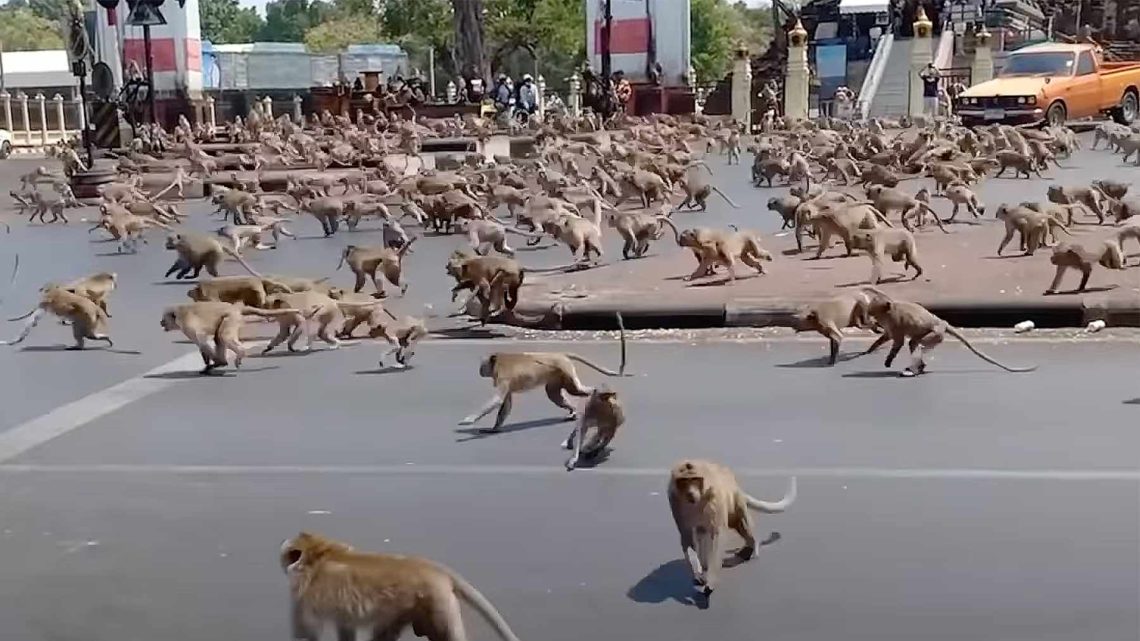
(893, 96)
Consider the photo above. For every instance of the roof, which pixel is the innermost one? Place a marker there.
(1055, 47)
(48, 68)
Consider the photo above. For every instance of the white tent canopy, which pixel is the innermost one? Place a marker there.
(863, 6)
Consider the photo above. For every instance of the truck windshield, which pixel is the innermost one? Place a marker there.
(1039, 64)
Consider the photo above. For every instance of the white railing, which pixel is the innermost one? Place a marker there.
(944, 54)
(874, 74)
(36, 121)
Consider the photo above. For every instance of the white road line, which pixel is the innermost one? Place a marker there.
(74, 415)
(411, 469)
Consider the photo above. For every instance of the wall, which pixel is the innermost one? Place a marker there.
(635, 22)
(176, 47)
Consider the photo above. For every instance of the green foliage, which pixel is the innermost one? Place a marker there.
(50, 10)
(717, 27)
(418, 23)
(336, 34)
(23, 30)
(288, 20)
(227, 22)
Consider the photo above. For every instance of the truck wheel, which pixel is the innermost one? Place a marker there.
(1057, 115)
(5, 149)
(1126, 112)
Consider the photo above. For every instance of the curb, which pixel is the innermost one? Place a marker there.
(598, 316)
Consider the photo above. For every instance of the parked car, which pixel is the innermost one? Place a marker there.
(1053, 83)
(5, 143)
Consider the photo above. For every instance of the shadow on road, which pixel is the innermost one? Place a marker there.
(192, 374)
(474, 433)
(820, 361)
(65, 348)
(671, 581)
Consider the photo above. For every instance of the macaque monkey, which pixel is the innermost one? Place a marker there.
(95, 288)
(829, 317)
(785, 206)
(215, 327)
(239, 235)
(902, 321)
(603, 412)
(338, 594)
(706, 501)
(637, 229)
(483, 235)
(898, 244)
(476, 273)
(365, 261)
(697, 193)
(1072, 255)
(196, 251)
(402, 335)
(178, 182)
(733, 146)
(743, 246)
(1019, 162)
(1090, 197)
(888, 199)
(961, 195)
(34, 177)
(517, 372)
(87, 319)
(1114, 189)
(1033, 226)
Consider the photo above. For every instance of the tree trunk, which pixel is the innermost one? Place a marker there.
(469, 37)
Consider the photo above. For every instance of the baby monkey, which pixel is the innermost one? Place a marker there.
(603, 412)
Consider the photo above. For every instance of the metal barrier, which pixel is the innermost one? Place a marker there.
(38, 121)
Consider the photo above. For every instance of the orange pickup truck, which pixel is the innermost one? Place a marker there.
(1053, 83)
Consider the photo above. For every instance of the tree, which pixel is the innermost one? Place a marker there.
(542, 27)
(22, 30)
(714, 29)
(469, 33)
(419, 25)
(336, 34)
(756, 26)
(227, 22)
(50, 10)
(288, 20)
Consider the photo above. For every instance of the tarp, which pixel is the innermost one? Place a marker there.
(863, 6)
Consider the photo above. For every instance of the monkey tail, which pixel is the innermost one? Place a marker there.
(621, 335)
(726, 198)
(474, 598)
(35, 314)
(594, 366)
(404, 249)
(676, 232)
(19, 318)
(774, 507)
(237, 256)
(951, 330)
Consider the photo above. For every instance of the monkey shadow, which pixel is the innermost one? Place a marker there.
(1006, 257)
(672, 581)
(587, 462)
(1132, 401)
(476, 433)
(822, 362)
(187, 281)
(384, 369)
(1087, 290)
(725, 281)
(882, 281)
(533, 248)
(192, 374)
(114, 254)
(461, 333)
(64, 348)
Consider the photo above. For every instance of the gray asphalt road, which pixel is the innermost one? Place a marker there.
(967, 504)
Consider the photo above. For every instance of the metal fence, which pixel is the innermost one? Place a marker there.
(38, 121)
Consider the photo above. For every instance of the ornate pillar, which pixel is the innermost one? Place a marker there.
(742, 89)
(575, 95)
(982, 66)
(921, 55)
(298, 114)
(796, 82)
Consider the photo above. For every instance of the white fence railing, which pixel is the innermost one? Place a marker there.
(38, 121)
(874, 74)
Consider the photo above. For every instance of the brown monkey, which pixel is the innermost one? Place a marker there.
(902, 320)
(402, 335)
(960, 195)
(1112, 188)
(829, 317)
(838, 220)
(215, 327)
(321, 308)
(637, 229)
(339, 593)
(517, 372)
(476, 273)
(603, 411)
(697, 194)
(365, 260)
(1090, 197)
(786, 207)
(95, 288)
(87, 319)
(743, 246)
(695, 239)
(879, 243)
(1020, 163)
(230, 289)
(196, 251)
(888, 199)
(1032, 225)
(1072, 255)
(706, 501)
(361, 309)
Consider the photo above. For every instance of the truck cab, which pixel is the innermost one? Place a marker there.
(1054, 83)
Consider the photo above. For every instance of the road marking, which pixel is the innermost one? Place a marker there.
(412, 469)
(74, 415)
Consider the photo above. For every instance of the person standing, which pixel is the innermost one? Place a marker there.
(930, 78)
